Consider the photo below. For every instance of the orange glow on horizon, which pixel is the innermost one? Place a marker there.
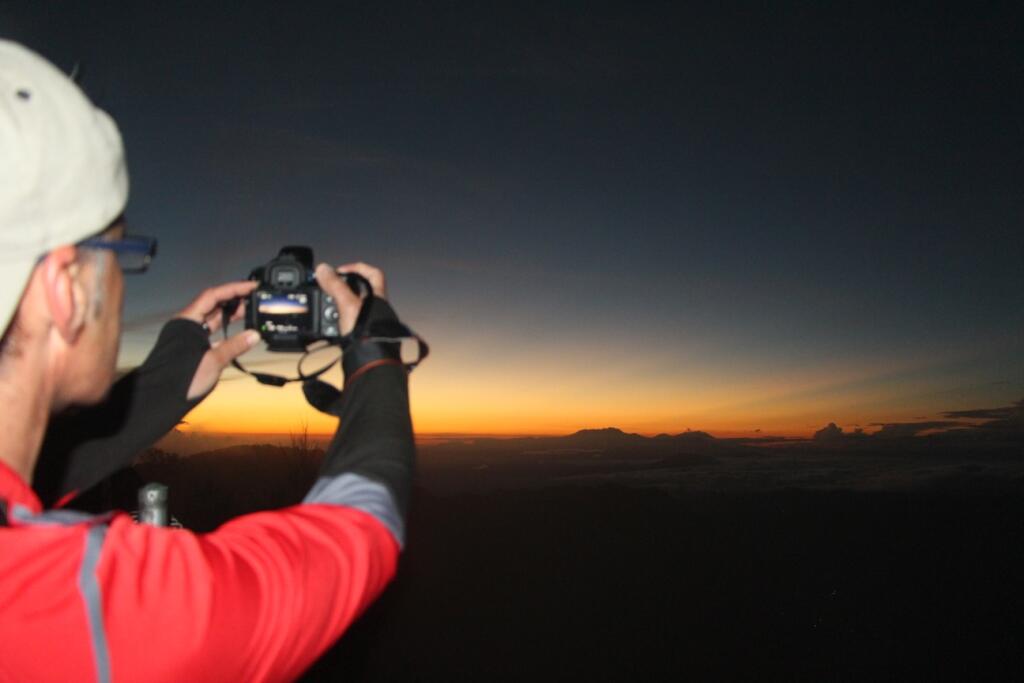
(243, 407)
(463, 391)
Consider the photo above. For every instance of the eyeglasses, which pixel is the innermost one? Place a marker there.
(134, 252)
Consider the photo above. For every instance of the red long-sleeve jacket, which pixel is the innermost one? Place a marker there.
(101, 598)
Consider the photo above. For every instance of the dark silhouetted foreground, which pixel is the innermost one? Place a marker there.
(626, 560)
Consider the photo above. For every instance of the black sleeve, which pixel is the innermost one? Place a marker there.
(375, 437)
(85, 445)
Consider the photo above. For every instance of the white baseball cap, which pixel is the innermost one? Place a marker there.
(62, 169)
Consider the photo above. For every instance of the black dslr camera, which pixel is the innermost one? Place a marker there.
(289, 309)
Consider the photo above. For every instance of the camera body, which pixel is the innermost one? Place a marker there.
(288, 308)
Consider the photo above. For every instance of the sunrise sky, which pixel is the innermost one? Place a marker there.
(727, 219)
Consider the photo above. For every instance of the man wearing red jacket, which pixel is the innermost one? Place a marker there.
(81, 596)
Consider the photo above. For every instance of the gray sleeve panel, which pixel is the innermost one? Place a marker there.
(58, 517)
(356, 491)
(90, 589)
(88, 585)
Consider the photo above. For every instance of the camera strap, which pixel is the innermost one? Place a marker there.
(320, 394)
(378, 344)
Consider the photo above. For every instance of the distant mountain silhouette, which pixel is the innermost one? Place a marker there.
(607, 431)
(613, 436)
(607, 440)
(830, 432)
(695, 436)
(609, 437)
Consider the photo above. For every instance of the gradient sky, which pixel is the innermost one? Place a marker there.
(643, 215)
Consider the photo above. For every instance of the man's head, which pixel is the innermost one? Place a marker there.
(62, 182)
(69, 318)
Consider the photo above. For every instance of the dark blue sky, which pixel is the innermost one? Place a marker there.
(725, 213)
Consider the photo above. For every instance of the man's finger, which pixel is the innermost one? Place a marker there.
(373, 275)
(211, 298)
(234, 346)
(216, 359)
(332, 283)
(215, 320)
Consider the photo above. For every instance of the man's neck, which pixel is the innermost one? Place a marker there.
(26, 398)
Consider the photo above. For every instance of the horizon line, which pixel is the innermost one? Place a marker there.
(731, 433)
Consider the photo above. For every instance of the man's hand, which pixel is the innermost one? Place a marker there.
(205, 310)
(347, 301)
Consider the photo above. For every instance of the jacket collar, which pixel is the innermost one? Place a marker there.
(15, 491)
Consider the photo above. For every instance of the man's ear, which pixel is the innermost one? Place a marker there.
(66, 298)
